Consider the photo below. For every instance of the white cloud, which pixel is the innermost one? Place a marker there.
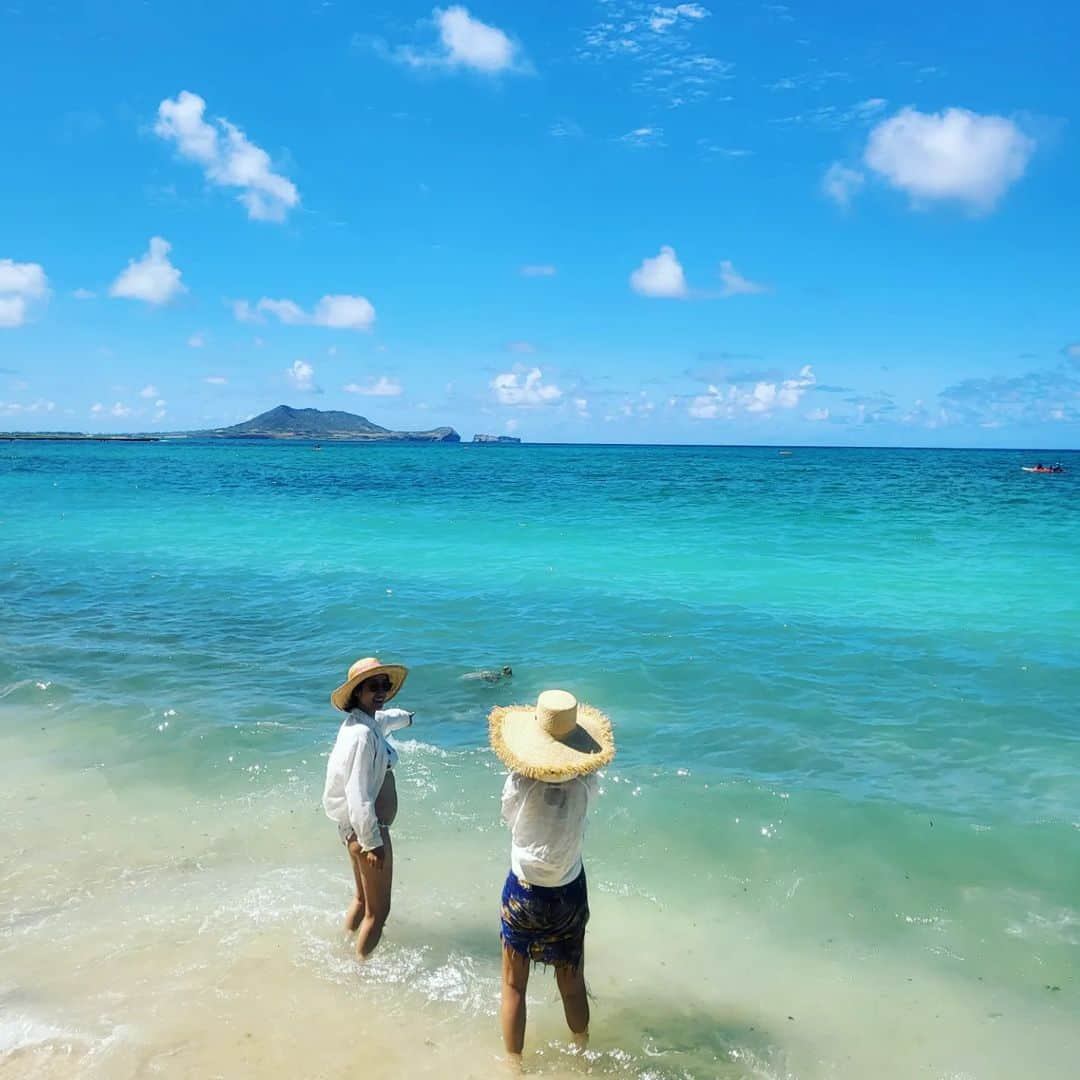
(227, 157)
(658, 44)
(216, 380)
(286, 311)
(1031, 397)
(472, 43)
(734, 284)
(338, 312)
(707, 406)
(664, 17)
(465, 42)
(84, 294)
(382, 387)
(525, 388)
(23, 279)
(97, 408)
(521, 347)
(14, 408)
(538, 270)
(582, 406)
(729, 401)
(785, 395)
(818, 416)
(120, 409)
(836, 118)
(661, 276)
(841, 184)
(12, 311)
(344, 313)
(302, 376)
(152, 279)
(643, 137)
(512, 424)
(21, 284)
(196, 341)
(955, 154)
(148, 392)
(863, 110)
(641, 407)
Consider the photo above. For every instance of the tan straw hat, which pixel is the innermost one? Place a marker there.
(556, 740)
(367, 668)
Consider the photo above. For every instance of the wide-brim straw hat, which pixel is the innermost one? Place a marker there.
(366, 668)
(555, 739)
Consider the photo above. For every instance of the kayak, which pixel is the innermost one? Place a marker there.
(1034, 468)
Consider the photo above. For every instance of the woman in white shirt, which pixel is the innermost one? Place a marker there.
(360, 794)
(553, 752)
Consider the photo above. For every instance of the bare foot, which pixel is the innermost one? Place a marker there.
(354, 916)
(580, 1039)
(513, 1064)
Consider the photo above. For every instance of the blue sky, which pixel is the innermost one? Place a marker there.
(607, 220)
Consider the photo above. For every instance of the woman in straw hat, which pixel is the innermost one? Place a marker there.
(360, 793)
(553, 751)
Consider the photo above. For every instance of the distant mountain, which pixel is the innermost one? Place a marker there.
(497, 439)
(288, 423)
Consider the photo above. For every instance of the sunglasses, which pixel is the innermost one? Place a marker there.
(375, 685)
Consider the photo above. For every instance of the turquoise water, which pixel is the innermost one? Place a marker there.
(844, 686)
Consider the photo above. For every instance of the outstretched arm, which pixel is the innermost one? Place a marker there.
(394, 719)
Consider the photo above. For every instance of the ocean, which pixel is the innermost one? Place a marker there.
(840, 837)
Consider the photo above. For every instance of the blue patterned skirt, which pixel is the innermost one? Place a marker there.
(546, 925)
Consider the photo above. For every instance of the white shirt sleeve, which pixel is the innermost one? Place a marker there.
(360, 792)
(393, 719)
(512, 794)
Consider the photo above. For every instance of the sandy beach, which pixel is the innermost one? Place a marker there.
(150, 929)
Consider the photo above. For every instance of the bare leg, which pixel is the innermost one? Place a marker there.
(571, 982)
(355, 913)
(377, 884)
(515, 980)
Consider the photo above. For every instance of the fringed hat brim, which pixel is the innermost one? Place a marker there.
(522, 745)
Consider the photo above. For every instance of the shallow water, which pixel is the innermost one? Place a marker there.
(840, 838)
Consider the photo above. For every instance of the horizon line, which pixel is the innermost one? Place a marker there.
(156, 436)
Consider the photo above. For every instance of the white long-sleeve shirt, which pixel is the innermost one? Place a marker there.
(357, 768)
(547, 827)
